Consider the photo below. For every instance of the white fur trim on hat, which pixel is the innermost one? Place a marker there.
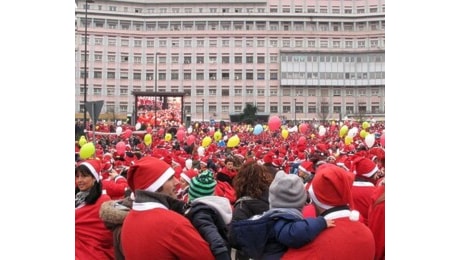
(92, 170)
(185, 177)
(160, 181)
(369, 174)
(315, 199)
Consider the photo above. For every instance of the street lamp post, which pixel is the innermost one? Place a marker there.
(295, 112)
(85, 85)
(202, 112)
(156, 87)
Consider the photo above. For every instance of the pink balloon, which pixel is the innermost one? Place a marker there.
(211, 133)
(274, 123)
(382, 140)
(303, 128)
(128, 133)
(149, 130)
(190, 139)
(180, 135)
(161, 131)
(302, 140)
(121, 148)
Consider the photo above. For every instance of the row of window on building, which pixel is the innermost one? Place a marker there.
(337, 109)
(174, 75)
(296, 42)
(249, 91)
(323, 9)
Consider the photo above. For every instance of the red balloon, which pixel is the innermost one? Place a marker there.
(121, 148)
(274, 123)
(149, 130)
(161, 131)
(127, 133)
(180, 135)
(382, 139)
(302, 140)
(303, 128)
(211, 133)
(190, 139)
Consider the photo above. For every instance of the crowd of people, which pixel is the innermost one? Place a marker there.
(311, 191)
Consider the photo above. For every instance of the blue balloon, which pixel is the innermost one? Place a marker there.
(258, 129)
(221, 143)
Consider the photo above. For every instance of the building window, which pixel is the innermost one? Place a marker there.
(237, 92)
(337, 109)
(238, 60)
(349, 109)
(273, 109)
(286, 109)
(137, 76)
(225, 92)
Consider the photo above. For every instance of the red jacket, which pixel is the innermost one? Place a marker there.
(92, 239)
(159, 233)
(346, 241)
(376, 221)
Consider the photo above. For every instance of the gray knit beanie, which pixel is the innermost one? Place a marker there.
(287, 191)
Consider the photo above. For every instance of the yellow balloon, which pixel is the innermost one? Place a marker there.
(348, 140)
(217, 136)
(233, 141)
(148, 139)
(82, 141)
(168, 137)
(363, 133)
(284, 133)
(312, 136)
(206, 141)
(366, 125)
(343, 130)
(87, 150)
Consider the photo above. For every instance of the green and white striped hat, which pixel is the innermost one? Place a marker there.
(202, 185)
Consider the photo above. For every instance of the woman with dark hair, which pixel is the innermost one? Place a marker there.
(251, 185)
(92, 239)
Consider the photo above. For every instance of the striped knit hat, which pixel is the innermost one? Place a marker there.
(202, 185)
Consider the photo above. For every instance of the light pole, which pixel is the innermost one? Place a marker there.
(202, 112)
(295, 112)
(156, 87)
(85, 85)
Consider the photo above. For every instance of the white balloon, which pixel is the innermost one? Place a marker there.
(201, 151)
(189, 130)
(321, 130)
(188, 164)
(369, 140)
(118, 130)
(138, 126)
(225, 138)
(118, 123)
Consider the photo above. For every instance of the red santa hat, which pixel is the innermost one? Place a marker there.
(94, 166)
(188, 175)
(307, 167)
(331, 186)
(148, 173)
(365, 167)
(268, 158)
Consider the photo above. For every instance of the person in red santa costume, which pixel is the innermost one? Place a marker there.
(155, 227)
(376, 220)
(92, 239)
(366, 175)
(330, 192)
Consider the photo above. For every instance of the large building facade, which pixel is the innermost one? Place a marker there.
(302, 59)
